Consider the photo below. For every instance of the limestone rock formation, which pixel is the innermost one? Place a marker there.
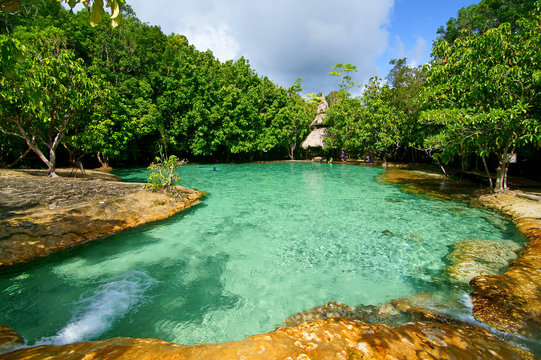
(41, 215)
(322, 339)
(471, 258)
(419, 307)
(511, 302)
(9, 339)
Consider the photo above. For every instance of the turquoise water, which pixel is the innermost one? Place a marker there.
(269, 241)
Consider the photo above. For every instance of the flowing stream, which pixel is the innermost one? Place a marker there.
(269, 241)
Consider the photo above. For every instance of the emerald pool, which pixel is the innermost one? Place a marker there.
(268, 241)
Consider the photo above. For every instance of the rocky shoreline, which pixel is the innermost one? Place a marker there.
(40, 215)
(510, 302)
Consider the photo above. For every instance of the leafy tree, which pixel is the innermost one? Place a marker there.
(344, 122)
(483, 89)
(345, 72)
(292, 121)
(403, 95)
(46, 96)
(487, 14)
(370, 124)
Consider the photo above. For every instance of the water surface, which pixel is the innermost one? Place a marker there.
(268, 241)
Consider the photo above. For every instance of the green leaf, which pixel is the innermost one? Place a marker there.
(97, 12)
(115, 9)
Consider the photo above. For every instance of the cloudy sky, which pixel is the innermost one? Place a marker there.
(288, 39)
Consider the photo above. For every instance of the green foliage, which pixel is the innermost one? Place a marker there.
(487, 14)
(11, 51)
(382, 121)
(344, 71)
(47, 95)
(482, 94)
(96, 8)
(117, 94)
(164, 174)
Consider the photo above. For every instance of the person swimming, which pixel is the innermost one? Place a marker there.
(213, 169)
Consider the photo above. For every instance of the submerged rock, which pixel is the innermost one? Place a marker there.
(419, 307)
(322, 339)
(471, 258)
(9, 339)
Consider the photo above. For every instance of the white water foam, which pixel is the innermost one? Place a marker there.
(96, 313)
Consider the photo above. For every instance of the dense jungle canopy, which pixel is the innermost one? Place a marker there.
(79, 89)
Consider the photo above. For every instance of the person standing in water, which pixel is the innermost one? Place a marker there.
(343, 156)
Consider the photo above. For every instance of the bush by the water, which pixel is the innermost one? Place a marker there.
(164, 174)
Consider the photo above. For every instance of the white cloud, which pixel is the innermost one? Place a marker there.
(216, 37)
(416, 55)
(282, 39)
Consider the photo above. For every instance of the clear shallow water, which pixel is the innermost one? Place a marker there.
(269, 241)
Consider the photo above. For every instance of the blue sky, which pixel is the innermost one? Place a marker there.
(413, 26)
(288, 39)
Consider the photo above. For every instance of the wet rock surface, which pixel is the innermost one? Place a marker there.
(41, 215)
(430, 182)
(511, 302)
(471, 258)
(419, 307)
(321, 339)
(9, 339)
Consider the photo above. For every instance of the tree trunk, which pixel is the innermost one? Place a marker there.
(488, 173)
(104, 161)
(292, 150)
(442, 168)
(52, 163)
(501, 172)
(465, 163)
(501, 175)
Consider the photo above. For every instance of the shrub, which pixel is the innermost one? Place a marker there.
(164, 174)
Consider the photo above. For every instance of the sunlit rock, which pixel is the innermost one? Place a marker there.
(85, 210)
(511, 302)
(471, 258)
(322, 339)
(9, 339)
(419, 307)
